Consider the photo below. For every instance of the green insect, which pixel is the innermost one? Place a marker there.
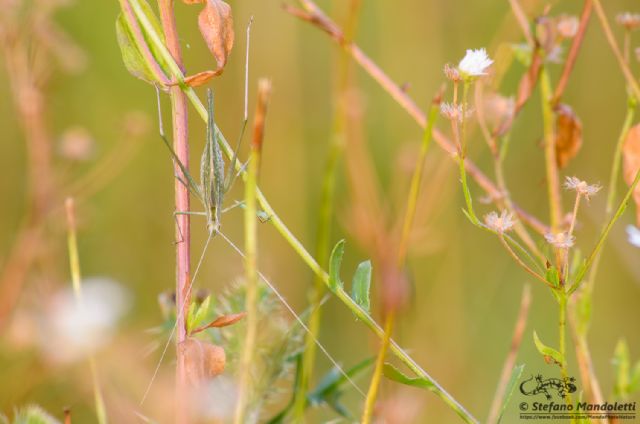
(214, 184)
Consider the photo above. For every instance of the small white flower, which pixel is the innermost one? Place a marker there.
(568, 26)
(634, 235)
(581, 187)
(499, 223)
(475, 63)
(560, 240)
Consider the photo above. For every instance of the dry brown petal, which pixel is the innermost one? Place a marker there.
(631, 163)
(216, 26)
(203, 361)
(568, 135)
(223, 321)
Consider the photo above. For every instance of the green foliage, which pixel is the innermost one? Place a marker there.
(277, 344)
(549, 353)
(394, 374)
(516, 373)
(335, 262)
(361, 284)
(132, 47)
(33, 414)
(552, 276)
(627, 379)
(198, 313)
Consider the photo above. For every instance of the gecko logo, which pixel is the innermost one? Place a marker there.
(538, 385)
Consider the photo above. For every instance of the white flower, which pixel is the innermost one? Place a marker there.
(71, 331)
(475, 63)
(634, 235)
(499, 223)
(630, 21)
(560, 240)
(581, 187)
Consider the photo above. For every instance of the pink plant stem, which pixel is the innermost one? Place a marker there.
(183, 239)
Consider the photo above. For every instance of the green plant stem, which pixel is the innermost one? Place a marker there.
(372, 394)
(553, 180)
(74, 265)
(323, 235)
(521, 262)
(519, 227)
(295, 244)
(251, 300)
(603, 236)
(462, 154)
(562, 330)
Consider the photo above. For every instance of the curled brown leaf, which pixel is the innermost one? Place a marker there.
(216, 26)
(631, 163)
(568, 135)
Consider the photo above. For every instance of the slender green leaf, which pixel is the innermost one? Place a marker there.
(334, 266)
(549, 353)
(361, 284)
(552, 276)
(622, 366)
(392, 373)
(131, 56)
(511, 384)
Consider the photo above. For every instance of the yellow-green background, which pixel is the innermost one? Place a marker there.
(467, 289)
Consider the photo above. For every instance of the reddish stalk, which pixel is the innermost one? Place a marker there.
(315, 16)
(182, 234)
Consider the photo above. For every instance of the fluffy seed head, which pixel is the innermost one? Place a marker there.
(631, 21)
(499, 223)
(560, 240)
(581, 187)
(452, 73)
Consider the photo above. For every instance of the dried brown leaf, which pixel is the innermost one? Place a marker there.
(216, 26)
(223, 321)
(568, 135)
(203, 360)
(631, 163)
(201, 78)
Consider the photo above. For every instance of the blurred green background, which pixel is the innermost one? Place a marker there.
(467, 289)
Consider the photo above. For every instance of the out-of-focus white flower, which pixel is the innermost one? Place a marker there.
(560, 240)
(499, 223)
(475, 63)
(216, 399)
(72, 330)
(634, 235)
(581, 187)
(630, 21)
(567, 26)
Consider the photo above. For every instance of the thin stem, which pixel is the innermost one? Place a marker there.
(510, 360)
(463, 153)
(316, 17)
(611, 39)
(251, 256)
(295, 244)
(372, 394)
(323, 235)
(553, 179)
(414, 189)
(74, 265)
(604, 235)
(562, 324)
(521, 262)
(183, 230)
